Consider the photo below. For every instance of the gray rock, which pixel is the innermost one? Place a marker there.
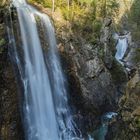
(94, 67)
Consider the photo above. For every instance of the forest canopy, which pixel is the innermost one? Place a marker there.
(84, 16)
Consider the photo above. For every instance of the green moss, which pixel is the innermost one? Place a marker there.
(117, 72)
(138, 122)
(2, 42)
(137, 56)
(44, 3)
(101, 52)
(136, 34)
(97, 26)
(93, 40)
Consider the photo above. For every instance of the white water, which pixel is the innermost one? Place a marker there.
(100, 133)
(46, 112)
(121, 47)
(110, 115)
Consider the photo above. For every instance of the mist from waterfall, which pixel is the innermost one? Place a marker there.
(46, 112)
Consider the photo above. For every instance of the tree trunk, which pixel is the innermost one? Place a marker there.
(53, 5)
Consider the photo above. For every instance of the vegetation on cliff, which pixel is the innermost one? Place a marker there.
(83, 17)
(95, 77)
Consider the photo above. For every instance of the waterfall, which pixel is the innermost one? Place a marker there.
(121, 48)
(46, 112)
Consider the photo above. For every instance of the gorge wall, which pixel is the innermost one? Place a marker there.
(96, 82)
(10, 118)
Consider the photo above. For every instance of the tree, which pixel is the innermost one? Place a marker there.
(53, 5)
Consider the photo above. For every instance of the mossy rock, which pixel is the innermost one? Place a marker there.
(2, 42)
(137, 55)
(118, 73)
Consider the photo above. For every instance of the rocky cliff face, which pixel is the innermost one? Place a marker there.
(96, 80)
(127, 125)
(10, 119)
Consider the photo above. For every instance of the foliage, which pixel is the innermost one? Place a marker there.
(84, 16)
(137, 55)
(135, 12)
(2, 42)
(118, 73)
(128, 17)
(133, 19)
(44, 3)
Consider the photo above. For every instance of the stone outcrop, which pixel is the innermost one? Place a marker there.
(10, 119)
(96, 80)
(132, 57)
(127, 125)
(107, 43)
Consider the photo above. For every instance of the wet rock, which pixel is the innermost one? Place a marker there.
(105, 39)
(132, 58)
(10, 119)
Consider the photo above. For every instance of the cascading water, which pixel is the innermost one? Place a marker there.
(121, 48)
(46, 112)
(100, 133)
